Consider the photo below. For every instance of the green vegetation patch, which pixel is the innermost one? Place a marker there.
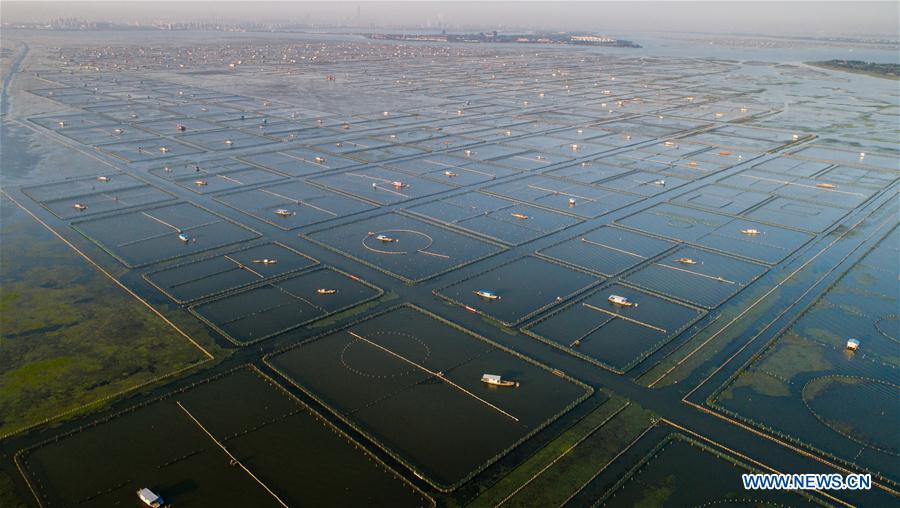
(682, 471)
(69, 336)
(553, 485)
(544, 457)
(878, 70)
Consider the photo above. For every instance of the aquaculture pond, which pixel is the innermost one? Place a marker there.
(236, 438)
(394, 367)
(808, 379)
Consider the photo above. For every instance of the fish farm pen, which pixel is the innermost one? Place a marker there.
(145, 237)
(248, 439)
(275, 307)
(421, 250)
(210, 276)
(818, 334)
(437, 387)
(339, 271)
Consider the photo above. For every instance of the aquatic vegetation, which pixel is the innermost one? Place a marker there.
(617, 429)
(70, 337)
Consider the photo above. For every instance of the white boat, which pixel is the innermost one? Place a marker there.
(449, 174)
(326, 291)
(750, 231)
(621, 300)
(265, 261)
(520, 216)
(281, 212)
(184, 237)
(686, 261)
(385, 238)
(852, 344)
(150, 498)
(80, 207)
(660, 183)
(399, 185)
(103, 179)
(200, 183)
(493, 379)
(487, 295)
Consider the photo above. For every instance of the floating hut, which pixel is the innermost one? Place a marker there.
(493, 379)
(150, 498)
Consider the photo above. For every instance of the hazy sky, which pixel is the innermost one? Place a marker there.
(784, 18)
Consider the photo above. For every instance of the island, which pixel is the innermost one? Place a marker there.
(878, 70)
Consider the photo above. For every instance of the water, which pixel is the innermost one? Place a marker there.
(433, 432)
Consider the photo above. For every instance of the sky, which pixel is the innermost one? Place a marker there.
(816, 18)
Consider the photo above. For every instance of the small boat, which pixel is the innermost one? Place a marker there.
(150, 498)
(571, 202)
(449, 174)
(80, 207)
(826, 186)
(686, 261)
(383, 238)
(200, 183)
(162, 149)
(487, 295)
(281, 212)
(661, 183)
(324, 291)
(184, 237)
(750, 231)
(493, 379)
(399, 185)
(181, 127)
(724, 153)
(265, 261)
(852, 344)
(228, 142)
(319, 159)
(621, 300)
(103, 179)
(520, 216)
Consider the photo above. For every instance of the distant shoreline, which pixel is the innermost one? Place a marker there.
(876, 70)
(575, 39)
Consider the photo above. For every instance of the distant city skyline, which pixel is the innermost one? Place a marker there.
(782, 18)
